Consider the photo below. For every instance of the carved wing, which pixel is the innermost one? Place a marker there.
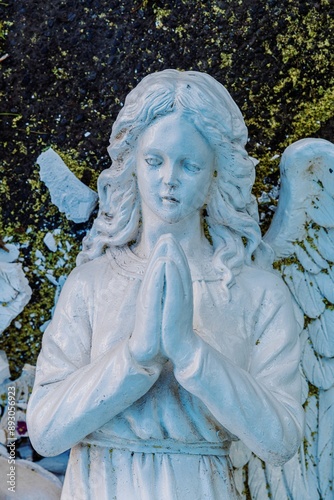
(302, 237)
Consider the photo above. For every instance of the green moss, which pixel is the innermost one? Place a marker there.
(313, 390)
(4, 26)
(60, 73)
(81, 169)
(207, 231)
(180, 30)
(299, 98)
(328, 304)
(312, 114)
(4, 190)
(226, 60)
(266, 167)
(246, 491)
(160, 15)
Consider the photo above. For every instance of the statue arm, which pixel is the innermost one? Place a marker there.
(74, 396)
(260, 406)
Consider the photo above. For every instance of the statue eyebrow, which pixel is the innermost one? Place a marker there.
(152, 151)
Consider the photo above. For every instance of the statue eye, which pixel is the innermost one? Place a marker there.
(153, 161)
(191, 167)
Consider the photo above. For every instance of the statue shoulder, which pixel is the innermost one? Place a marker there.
(258, 282)
(89, 273)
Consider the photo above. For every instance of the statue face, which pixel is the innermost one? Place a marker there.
(175, 167)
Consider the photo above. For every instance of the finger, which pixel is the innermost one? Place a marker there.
(176, 254)
(167, 246)
(152, 288)
(154, 270)
(170, 247)
(174, 297)
(161, 247)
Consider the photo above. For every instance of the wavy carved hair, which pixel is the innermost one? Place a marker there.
(231, 210)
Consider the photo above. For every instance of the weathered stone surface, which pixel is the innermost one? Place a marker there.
(70, 195)
(15, 291)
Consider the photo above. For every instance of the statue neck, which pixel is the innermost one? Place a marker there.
(188, 232)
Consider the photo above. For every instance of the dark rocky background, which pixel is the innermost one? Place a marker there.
(66, 67)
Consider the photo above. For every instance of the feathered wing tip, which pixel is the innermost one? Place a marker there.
(302, 238)
(306, 195)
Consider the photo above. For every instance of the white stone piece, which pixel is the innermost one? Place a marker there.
(50, 242)
(39, 255)
(32, 482)
(4, 367)
(15, 292)
(70, 195)
(10, 254)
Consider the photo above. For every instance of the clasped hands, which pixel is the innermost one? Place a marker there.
(164, 312)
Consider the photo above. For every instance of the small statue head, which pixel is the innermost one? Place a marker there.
(230, 211)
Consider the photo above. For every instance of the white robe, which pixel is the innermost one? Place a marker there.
(140, 433)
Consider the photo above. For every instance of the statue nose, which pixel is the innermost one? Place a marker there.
(172, 183)
(170, 176)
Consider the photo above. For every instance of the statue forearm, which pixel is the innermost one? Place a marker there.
(269, 422)
(62, 413)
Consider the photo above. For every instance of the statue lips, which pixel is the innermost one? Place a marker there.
(169, 198)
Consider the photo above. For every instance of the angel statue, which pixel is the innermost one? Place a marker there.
(172, 364)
